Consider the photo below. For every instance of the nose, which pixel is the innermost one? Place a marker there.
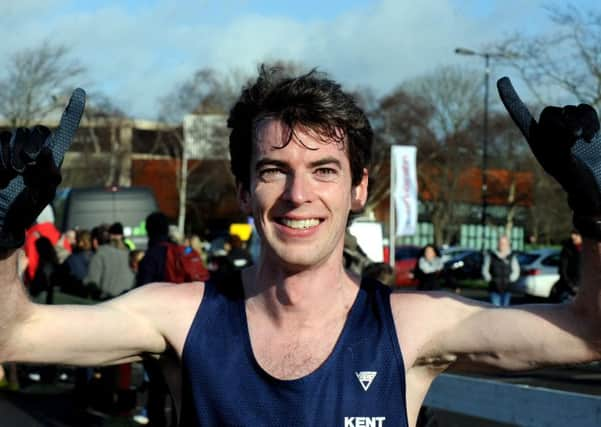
(298, 189)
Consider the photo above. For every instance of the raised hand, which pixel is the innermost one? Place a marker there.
(29, 170)
(567, 143)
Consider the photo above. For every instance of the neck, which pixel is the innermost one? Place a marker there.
(302, 297)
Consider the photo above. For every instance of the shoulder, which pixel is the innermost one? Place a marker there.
(170, 308)
(422, 317)
(165, 296)
(155, 252)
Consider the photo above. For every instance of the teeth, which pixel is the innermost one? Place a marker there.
(300, 223)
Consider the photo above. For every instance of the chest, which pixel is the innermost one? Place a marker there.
(244, 373)
(293, 354)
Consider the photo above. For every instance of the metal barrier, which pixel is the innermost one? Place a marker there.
(517, 404)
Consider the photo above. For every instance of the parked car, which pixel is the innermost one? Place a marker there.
(467, 265)
(539, 272)
(448, 253)
(405, 260)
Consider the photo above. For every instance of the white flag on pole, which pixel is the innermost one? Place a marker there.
(405, 188)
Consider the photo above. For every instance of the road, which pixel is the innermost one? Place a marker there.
(51, 406)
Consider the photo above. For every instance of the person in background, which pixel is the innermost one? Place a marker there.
(353, 256)
(71, 236)
(152, 269)
(79, 261)
(45, 277)
(500, 269)
(64, 246)
(380, 271)
(76, 266)
(135, 257)
(44, 226)
(118, 239)
(569, 268)
(152, 266)
(237, 253)
(109, 274)
(429, 268)
(198, 245)
(174, 234)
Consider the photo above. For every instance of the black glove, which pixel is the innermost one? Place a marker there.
(29, 171)
(567, 143)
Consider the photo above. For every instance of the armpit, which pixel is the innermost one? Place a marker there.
(439, 362)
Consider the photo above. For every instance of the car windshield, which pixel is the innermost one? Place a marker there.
(464, 255)
(526, 258)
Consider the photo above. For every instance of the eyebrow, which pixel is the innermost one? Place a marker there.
(315, 164)
(326, 161)
(269, 162)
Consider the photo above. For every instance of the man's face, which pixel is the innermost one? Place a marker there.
(503, 244)
(576, 238)
(300, 197)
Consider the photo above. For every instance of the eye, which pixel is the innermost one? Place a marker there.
(326, 173)
(270, 174)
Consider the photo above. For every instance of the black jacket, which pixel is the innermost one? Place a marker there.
(569, 267)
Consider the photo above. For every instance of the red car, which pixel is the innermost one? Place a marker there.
(405, 260)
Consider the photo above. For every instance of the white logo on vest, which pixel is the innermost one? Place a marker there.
(366, 378)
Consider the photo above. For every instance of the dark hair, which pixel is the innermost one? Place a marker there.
(311, 100)
(157, 225)
(101, 234)
(46, 251)
(234, 240)
(116, 229)
(84, 240)
(422, 252)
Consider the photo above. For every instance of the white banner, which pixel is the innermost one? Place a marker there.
(405, 188)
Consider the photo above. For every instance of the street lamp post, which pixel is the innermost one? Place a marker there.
(486, 56)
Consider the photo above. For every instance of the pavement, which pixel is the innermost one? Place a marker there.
(54, 405)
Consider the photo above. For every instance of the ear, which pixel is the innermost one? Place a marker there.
(359, 193)
(243, 199)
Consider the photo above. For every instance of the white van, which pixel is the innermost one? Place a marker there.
(86, 208)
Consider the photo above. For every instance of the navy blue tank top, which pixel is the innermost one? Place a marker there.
(361, 383)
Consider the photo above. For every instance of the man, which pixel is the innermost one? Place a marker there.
(500, 269)
(569, 268)
(109, 274)
(152, 269)
(118, 239)
(300, 341)
(152, 266)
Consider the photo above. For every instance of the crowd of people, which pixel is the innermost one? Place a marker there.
(100, 264)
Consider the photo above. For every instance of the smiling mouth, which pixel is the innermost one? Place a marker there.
(299, 224)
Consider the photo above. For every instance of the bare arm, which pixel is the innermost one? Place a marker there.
(471, 335)
(146, 320)
(515, 269)
(486, 268)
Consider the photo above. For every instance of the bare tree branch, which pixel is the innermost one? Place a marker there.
(33, 80)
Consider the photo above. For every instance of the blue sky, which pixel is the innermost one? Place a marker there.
(136, 51)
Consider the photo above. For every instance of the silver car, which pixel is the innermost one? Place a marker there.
(539, 272)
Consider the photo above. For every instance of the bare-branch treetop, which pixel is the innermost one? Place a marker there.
(33, 80)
